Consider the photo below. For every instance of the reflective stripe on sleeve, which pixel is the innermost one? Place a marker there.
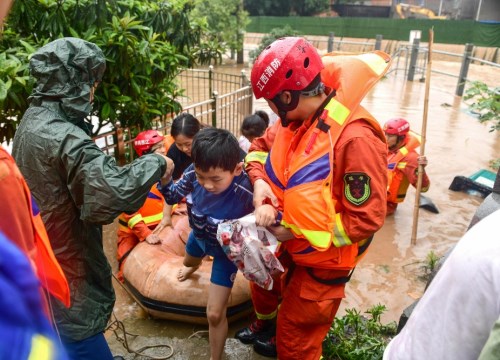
(134, 220)
(340, 237)
(259, 156)
(320, 240)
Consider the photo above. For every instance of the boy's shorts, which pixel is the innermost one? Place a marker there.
(223, 270)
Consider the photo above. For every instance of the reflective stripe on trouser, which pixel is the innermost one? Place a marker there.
(265, 302)
(306, 314)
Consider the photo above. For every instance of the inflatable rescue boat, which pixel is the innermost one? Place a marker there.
(150, 275)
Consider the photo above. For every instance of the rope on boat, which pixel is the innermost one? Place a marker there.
(118, 325)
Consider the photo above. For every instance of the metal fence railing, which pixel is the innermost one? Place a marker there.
(415, 62)
(214, 98)
(224, 99)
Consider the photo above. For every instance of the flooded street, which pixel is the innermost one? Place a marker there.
(457, 144)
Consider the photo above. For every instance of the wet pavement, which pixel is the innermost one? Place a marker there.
(457, 144)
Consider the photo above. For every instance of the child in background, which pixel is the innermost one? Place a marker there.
(253, 126)
(216, 189)
(184, 127)
(146, 223)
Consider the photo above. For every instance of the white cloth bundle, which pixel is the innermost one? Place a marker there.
(251, 248)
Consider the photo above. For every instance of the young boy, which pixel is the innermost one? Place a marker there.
(216, 189)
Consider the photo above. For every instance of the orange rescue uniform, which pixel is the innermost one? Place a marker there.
(337, 164)
(136, 227)
(402, 167)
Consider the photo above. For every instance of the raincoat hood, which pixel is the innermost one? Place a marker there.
(65, 71)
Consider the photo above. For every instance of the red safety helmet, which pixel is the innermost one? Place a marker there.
(289, 63)
(145, 141)
(397, 126)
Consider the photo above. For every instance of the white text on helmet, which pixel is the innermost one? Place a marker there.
(268, 73)
(404, 127)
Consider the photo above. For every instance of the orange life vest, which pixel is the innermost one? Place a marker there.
(304, 175)
(168, 140)
(397, 182)
(151, 212)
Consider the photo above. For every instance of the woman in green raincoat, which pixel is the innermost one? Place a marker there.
(77, 186)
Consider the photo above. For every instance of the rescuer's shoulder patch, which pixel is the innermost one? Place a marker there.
(357, 188)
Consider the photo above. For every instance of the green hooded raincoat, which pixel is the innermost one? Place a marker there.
(76, 185)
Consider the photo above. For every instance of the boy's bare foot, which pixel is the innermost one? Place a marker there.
(185, 272)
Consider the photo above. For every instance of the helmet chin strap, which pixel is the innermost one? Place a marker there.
(399, 143)
(283, 108)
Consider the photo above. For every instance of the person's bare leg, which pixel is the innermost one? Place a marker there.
(218, 297)
(191, 264)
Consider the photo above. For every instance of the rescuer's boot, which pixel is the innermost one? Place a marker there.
(252, 332)
(266, 346)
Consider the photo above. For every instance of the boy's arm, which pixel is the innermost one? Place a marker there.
(166, 220)
(175, 192)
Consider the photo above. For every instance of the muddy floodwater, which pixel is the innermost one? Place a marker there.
(456, 144)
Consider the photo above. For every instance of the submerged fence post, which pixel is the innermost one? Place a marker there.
(210, 80)
(378, 42)
(464, 69)
(330, 41)
(215, 96)
(240, 54)
(246, 82)
(244, 79)
(413, 59)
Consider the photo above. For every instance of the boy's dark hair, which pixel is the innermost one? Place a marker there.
(215, 148)
(185, 124)
(254, 125)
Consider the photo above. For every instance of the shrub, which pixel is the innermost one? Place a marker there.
(356, 337)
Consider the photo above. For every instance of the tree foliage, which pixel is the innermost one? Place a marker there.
(268, 7)
(225, 21)
(356, 337)
(146, 44)
(274, 34)
(485, 103)
(310, 7)
(286, 7)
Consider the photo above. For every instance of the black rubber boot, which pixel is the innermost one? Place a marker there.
(266, 346)
(256, 329)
